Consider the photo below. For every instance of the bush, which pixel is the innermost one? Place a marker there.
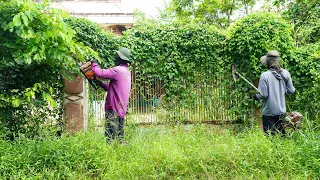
(36, 52)
(182, 57)
(305, 71)
(90, 34)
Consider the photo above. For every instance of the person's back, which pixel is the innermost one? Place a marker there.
(273, 88)
(118, 93)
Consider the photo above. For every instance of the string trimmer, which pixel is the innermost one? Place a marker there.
(235, 75)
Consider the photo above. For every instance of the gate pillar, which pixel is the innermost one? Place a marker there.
(75, 105)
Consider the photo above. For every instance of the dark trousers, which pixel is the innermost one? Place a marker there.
(114, 126)
(273, 125)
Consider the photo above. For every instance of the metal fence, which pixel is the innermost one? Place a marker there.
(212, 99)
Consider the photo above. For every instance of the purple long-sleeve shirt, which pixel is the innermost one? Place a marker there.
(118, 89)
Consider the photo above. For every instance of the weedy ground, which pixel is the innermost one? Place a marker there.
(165, 152)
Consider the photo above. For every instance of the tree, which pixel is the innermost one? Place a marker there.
(305, 18)
(216, 12)
(37, 52)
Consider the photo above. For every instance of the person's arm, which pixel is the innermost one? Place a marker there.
(290, 89)
(104, 73)
(101, 84)
(263, 89)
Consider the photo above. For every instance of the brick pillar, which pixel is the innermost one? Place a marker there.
(75, 105)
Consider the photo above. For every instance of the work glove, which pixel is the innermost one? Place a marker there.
(255, 97)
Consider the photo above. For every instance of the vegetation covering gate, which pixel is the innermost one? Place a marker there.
(182, 72)
(179, 73)
(211, 99)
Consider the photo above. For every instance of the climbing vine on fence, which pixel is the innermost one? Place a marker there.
(38, 46)
(304, 66)
(176, 54)
(91, 34)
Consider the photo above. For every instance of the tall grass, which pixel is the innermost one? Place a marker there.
(165, 152)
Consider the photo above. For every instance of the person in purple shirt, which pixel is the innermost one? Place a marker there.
(118, 93)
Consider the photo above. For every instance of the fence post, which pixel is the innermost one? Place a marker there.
(75, 105)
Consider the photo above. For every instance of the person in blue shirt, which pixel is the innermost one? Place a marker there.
(274, 84)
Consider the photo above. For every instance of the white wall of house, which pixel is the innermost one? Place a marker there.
(101, 12)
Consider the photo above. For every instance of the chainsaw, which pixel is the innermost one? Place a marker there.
(86, 69)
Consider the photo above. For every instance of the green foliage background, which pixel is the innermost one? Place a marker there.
(304, 65)
(177, 54)
(91, 34)
(39, 47)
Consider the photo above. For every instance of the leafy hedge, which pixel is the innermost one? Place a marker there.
(304, 66)
(38, 46)
(181, 56)
(90, 34)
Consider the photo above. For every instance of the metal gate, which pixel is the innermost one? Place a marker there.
(212, 99)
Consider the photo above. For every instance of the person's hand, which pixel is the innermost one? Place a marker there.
(94, 61)
(255, 97)
(98, 82)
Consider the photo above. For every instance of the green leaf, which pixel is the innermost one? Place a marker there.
(16, 20)
(16, 102)
(24, 19)
(36, 57)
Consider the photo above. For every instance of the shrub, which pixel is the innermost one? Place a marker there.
(182, 57)
(90, 34)
(304, 66)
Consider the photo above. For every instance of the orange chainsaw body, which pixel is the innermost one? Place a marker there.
(86, 69)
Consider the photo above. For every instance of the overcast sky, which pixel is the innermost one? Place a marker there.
(147, 6)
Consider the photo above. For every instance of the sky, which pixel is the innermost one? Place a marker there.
(149, 7)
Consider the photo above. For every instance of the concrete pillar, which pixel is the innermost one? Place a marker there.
(75, 105)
